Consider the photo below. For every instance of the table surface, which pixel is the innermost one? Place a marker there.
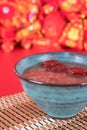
(19, 112)
(9, 82)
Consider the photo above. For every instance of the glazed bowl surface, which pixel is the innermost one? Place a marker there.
(58, 101)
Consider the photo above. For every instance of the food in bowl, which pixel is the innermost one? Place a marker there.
(58, 100)
(56, 72)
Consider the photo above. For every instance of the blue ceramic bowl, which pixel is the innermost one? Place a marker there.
(57, 101)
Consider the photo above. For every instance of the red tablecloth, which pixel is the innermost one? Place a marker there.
(9, 82)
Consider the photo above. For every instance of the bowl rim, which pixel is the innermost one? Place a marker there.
(43, 83)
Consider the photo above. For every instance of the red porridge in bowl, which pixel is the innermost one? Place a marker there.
(55, 72)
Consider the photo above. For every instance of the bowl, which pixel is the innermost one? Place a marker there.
(58, 101)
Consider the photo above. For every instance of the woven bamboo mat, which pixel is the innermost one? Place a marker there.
(18, 112)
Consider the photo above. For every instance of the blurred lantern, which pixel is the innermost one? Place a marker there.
(85, 34)
(72, 35)
(52, 27)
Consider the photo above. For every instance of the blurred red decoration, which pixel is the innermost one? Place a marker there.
(50, 23)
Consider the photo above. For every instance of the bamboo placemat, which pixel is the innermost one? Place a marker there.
(19, 112)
